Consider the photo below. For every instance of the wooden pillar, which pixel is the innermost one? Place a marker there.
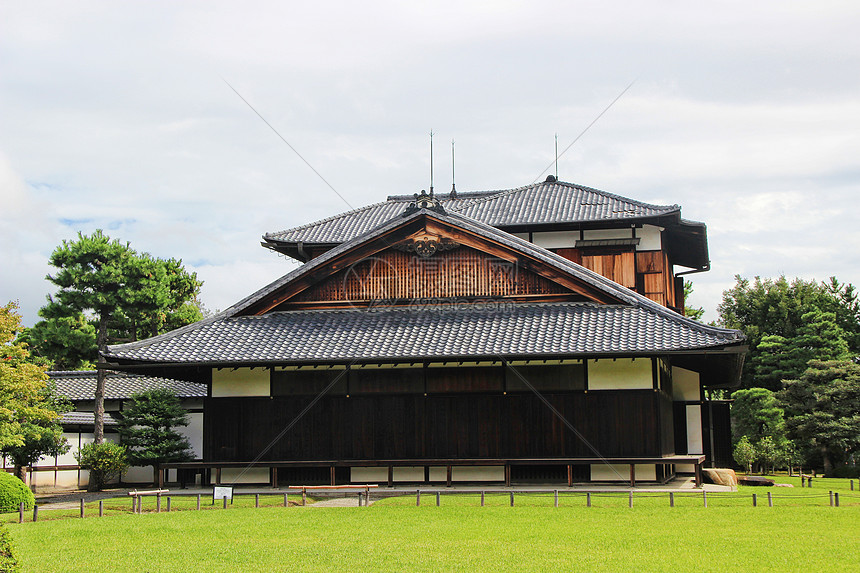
(217, 476)
(507, 475)
(698, 474)
(632, 475)
(274, 477)
(160, 478)
(391, 476)
(449, 475)
(332, 473)
(569, 475)
(426, 474)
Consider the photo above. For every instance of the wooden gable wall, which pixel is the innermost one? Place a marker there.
(462, 273)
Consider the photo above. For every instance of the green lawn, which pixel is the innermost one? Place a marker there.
(800, 532)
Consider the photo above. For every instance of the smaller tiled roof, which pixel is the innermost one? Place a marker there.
(81, 385)
(545, 203)
(84, 419)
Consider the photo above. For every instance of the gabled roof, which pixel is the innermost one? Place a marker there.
(247, 333)
(80, 385)
(549, 203)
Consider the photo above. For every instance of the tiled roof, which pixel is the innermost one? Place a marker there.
(346, 226)
(81, 385)
(534, 329)
(84, 419)
(547, 202)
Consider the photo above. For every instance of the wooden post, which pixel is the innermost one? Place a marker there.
(134, 504)
(755, 500)
(198, 502)
(556, 497)
(588, 499)
(391, 476)
(809, 481)
(769, 499)
(366, 497)
(632, 475)
(507, 475)
(285, 500)
(705, 498)
(217, 476)
(101, 508)
(21, 511)
(698, 475)
(332, 475)
(831, 499)
(802, 480)
(852, 485)
(512, 499)
(158, 503)
(257, 500)
(160, 478)
(274, 477)
(671, 499)
(450, 474)
(836, 498)
(482, 499)
(569, 475)
(418, 498)
(359, 499)
(35, 513)
(224, 499)
(437, 499)
(168, 504)
(82, 508)
(304, 497)
(630, 499)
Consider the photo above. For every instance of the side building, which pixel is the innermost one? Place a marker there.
(463, 339)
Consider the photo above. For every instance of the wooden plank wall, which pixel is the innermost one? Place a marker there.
(649, 273)
(414, 426)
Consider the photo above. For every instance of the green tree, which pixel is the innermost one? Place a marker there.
(26, 405)
(773, 312)
(691, 311)
(147, 429)
(768, 452)
(124, 291)
(756, 413)
(40, 438)
(745, 453)
(822, 409)
(64, 337)
(104, 461)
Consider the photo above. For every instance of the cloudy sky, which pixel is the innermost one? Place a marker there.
(116, 115)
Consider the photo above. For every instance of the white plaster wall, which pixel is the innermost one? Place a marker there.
(649, 238)
(523, 236)
(620, 374)
(415, 473)
(240, 382)
(478, 473)
(194, 432)
(438, 473)
(685, 385)
(694, 430)
(250, 475)
(556, 239)
(600, 234)
(621, 472)
(371, 475)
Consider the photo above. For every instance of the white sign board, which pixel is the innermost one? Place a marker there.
(223, 493)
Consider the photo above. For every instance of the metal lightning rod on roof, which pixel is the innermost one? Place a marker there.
(599, 115)
(453, 180)
(431, 162)
(556, 157)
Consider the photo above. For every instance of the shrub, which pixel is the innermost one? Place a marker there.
(8, 558)
(12, 492)
(105, 461)
(846, 472)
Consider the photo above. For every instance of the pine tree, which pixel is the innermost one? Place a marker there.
(147, 429)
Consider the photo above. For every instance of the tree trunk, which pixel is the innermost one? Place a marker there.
(21, 473)
(99, 412)
(825, 457)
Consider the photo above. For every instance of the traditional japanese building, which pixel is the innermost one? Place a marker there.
(530, 334)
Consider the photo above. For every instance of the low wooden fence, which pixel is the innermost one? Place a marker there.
(480, 498)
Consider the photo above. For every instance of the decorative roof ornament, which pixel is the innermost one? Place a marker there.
(427, 245)
(424, 200)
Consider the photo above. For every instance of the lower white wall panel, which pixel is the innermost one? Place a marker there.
(621, 472)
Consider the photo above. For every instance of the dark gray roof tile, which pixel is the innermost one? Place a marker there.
(81, 385)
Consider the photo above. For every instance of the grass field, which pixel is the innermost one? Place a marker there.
(799, 532)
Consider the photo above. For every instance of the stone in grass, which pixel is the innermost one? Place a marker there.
(783, 485)
(720, 476)
(755, 480)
